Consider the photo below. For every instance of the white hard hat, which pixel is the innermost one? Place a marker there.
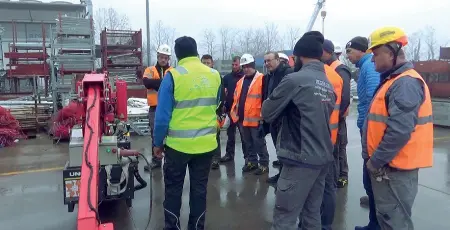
(164, 49)
(283, 56)
(247, 59)
(337, 48)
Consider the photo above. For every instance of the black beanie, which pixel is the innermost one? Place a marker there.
(315, 34)
(328, 46)
(358, 43)
(310, 45)
(185, 47)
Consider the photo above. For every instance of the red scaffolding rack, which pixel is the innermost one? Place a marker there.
(122, 53)
(27, 60)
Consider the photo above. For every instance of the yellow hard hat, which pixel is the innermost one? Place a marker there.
(387, 35)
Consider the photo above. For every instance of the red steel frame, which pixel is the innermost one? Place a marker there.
(98, 100)
(93, 84)
(19, 62)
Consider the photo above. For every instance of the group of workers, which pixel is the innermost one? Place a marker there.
(304, 109)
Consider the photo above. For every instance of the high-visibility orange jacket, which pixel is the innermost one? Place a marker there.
(418, 152)
(153, 73)
(253, 102)
(337, 83)
(334, 65)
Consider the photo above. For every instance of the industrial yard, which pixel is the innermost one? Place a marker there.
(46, 51)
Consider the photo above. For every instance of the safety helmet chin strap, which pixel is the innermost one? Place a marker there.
(395, 48)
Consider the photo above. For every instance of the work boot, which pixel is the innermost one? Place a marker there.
(262, 170)
(364, 201)
(276, 163)
(342, 182)
(153, 165)
(226, 158)
(215, 165)
(273, 180)
(249, 167)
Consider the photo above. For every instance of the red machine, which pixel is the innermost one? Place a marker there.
(102, 106)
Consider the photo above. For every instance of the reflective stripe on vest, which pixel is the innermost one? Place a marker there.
(336, 81)
(418, 152)
(193, 126)
(252, 107)
(153, 73)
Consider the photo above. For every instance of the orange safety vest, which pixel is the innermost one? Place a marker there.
(336, 81)
(252, 109)
(153, 73)
(334, 65)
(418, 152)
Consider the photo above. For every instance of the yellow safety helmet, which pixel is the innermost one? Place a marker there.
(387, 35)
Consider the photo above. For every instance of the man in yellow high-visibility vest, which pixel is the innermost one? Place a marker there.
(186, 118)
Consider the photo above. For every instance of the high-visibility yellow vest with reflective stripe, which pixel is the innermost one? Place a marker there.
(193, 126)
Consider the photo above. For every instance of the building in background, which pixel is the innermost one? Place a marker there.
(27, 19)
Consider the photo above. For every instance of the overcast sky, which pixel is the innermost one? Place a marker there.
(345, 18)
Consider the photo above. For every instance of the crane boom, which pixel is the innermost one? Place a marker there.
(318, 7)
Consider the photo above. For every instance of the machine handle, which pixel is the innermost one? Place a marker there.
(128, 153)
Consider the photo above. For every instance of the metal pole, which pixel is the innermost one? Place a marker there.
(147, 9)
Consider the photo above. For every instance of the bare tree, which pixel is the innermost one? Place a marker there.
(246, 40)
(225, 41)
(271, 39)
(259, 45)
(431, 42)
(161, 34)
(292, 35)
(414, 48)
(209, 41)
(233, 47)
(111, 19)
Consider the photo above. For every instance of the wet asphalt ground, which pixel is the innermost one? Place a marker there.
(31, 192)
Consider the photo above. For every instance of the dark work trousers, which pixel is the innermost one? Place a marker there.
(299, 196)
(231, 141)
(217, 154)
(255, 144)
(328, 206)
(175, 164)
(373, 223)
(329, 195)
(394, 198)
(274, 134)
(151, 125)
(342, 151)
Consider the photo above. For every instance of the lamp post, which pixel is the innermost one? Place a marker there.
(147, 10)
(323, 14)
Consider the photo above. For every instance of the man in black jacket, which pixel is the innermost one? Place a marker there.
(229, 84)
(276, 71)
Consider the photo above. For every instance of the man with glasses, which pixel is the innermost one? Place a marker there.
(152, 79)
(368, 81)
(277, 69)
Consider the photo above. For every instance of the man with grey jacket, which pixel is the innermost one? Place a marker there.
(304, 101)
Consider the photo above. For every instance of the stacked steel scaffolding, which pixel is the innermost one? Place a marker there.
(73, 54)
(122, 54)
(27, 63)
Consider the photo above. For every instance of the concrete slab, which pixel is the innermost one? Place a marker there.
(34, 200)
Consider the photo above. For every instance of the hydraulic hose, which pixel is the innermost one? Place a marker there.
(150, 191)
(142, 182)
